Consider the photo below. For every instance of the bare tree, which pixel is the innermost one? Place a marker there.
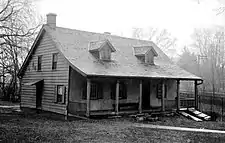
(18, 26)
(218, 10)
(189, 61)
(210, 44)
(161, 38)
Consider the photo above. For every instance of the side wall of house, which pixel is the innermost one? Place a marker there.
(76, 104)
(45, 48)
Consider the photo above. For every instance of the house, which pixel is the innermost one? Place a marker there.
(73, 72)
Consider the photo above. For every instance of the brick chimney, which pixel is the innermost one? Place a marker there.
(51, 20)
(107, 33)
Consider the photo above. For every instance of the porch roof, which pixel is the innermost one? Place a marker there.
(73, 44)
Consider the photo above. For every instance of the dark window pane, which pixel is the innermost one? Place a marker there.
(94, 91)
(113, 91)
(60, 94)
(122, 91)
(59, 98)
(39, 63)
(54, 60)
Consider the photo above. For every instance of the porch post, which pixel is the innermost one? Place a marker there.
(140, 98)
(178, 95)
(88, 97)
(196, 94)
(117, 97)
(163, 95)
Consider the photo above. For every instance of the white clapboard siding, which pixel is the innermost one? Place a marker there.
(46, 48)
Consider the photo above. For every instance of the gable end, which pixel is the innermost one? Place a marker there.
(101, 49)
(33, 47)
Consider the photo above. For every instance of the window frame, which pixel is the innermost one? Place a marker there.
(62, 101)
(39, 63)
(96, 92)
(54, 61)
(122, 91)
(105, 54)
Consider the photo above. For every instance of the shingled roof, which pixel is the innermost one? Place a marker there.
(74, 45)
(97, 45)
(142, 50)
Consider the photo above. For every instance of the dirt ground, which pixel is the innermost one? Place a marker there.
(20, 127)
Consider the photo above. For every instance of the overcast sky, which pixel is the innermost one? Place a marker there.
(180, 17)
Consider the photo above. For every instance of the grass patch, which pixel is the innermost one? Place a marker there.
(42, 128)
(180, 121)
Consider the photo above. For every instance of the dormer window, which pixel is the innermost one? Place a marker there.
(145, 54)
(105, 53)
(101, 49)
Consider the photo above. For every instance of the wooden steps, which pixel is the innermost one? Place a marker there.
(199, 114)
(194, 114)
(190, 116)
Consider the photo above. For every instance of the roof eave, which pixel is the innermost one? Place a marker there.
(119, 76)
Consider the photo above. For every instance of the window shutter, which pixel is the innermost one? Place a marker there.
(100, 91)
(165, 91)
(55, 93)
(113, 91)
(84, 92)
(159, 90)
(64, 95)
(125, 90)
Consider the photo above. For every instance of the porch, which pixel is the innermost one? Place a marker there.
(116, 96)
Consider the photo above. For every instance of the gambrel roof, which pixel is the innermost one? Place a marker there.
(75, 44)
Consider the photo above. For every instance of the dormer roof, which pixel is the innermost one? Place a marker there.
(143, 50)
(98, 45)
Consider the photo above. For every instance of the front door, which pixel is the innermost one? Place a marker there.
(146, 95)
(39, 92)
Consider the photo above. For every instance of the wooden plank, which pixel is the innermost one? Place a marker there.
(199, 114)
(54, 105)
(222, 109)
(162, 98)
(196, 94)
(190, 116)
(117, 97)
(178, 95)
(140, 98)
(88, 97)
(46, 73)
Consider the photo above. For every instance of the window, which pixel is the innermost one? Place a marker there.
(105, 54)
(149, 57)
(60, 92)
(39, 63)
(101, 49)
(122, 91)
(145, 54)
(96, 91)
(54, 60)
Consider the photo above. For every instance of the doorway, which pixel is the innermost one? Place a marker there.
(39, 92)
(146, 95)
